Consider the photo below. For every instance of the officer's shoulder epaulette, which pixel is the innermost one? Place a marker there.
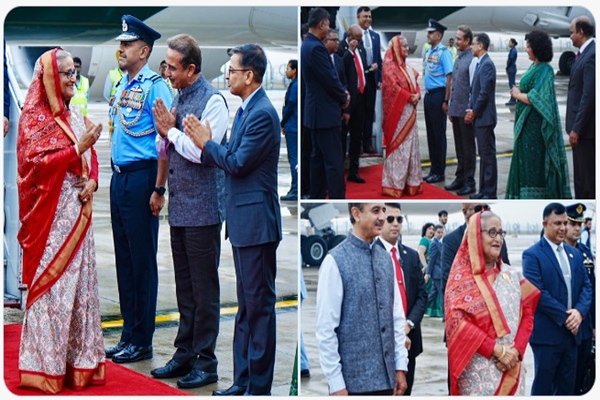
(155, 78)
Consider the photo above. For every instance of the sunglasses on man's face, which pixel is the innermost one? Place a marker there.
(390, 219)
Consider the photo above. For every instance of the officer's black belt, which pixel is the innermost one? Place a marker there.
(439, 89)
(133, 166)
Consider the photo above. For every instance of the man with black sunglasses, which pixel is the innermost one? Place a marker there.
(411, 283)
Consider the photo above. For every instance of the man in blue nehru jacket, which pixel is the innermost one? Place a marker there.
(136, 196)
(360, 315)
(196, 213)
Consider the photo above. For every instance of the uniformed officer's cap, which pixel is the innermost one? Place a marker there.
(435, 26)
(135, 29)
(575, 212)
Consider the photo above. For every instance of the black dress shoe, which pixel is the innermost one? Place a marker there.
(197, 378)
(232, 391)
(291, 196)
(133, 353)
(172, 370)
(305, 373)
(467, 189)
(477, 196)
(111, 351)
(356, 178)
(454, 185)
(435, 178)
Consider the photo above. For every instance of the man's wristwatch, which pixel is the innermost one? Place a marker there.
(410, 323)
(160, 190)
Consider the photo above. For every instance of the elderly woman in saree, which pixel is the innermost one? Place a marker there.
(538, 169)
(489, 308)
(401, 94)
(61, 341)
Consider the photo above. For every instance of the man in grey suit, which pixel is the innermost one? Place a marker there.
(196, 212)
(254, 227)
(581, 106)
(481, 113)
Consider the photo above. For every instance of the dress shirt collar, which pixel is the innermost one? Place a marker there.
(245, 102)
(554, 246)
(388, 246)
(585, 45)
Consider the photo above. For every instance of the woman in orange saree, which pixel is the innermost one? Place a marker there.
(489, 308)
(61, 341)
(400, 96)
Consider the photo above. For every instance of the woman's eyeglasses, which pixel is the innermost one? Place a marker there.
(390, 219)
(493, 233)
(70, 74)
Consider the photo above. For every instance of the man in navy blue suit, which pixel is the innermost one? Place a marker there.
(372, 45)
(557, 270)
(254, 224)
(481, 113)
(324, 98)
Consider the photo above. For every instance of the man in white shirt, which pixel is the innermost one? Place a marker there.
(410, 281)
(360, 316)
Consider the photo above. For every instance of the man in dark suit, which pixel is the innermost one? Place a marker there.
(511, 68)
(588, 326)
(254, 227)
(581, 108)
(434, 265)
(481, 113)
(557, 270)
(411, 278)
(372, 46)
(332, 43)
(325, 96)
(353, 55)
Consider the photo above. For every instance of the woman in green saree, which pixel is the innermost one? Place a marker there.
(538, 169)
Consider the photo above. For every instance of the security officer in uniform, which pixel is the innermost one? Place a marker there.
(135, 198)
(82, 88)
(438, 78)
(588, 325)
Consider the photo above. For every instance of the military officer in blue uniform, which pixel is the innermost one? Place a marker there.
(135, 197)
(588, 326)
(438, 80)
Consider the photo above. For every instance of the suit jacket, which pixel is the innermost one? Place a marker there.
(339, 68)
(511, 62)
(324, 92)
(581, 96)
(542, 269)
(351, 72)
(376, 42)
(434, 266)
(483, 93)
(416, 296)
(250, 162)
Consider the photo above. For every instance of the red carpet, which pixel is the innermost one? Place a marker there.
(372, 189)
(120, 381)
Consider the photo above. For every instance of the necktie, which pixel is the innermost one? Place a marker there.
(368, 46)
(238, 116)
(400, 278)
(566, 270)
(359, 71)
